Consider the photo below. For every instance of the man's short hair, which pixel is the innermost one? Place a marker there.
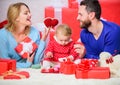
(92, 6)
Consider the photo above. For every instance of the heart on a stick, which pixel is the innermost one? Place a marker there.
(50, 22)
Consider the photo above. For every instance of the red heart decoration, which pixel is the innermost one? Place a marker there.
(50, 22)
(54, 22)
(47, 22)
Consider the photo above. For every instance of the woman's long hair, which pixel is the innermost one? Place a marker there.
(12, 14)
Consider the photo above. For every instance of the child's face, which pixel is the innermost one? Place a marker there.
(62, 39)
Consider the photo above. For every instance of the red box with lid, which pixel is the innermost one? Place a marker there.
(93, 73)
(7, 64)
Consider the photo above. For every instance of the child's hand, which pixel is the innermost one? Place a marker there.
(62, 59)
(49, 55)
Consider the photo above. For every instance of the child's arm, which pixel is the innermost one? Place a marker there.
(49, 50)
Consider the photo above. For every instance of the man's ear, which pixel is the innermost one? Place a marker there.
(91, 15)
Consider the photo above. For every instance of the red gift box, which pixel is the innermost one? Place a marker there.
(15, 75)
(72, 4)
(7, 64)
(88, 68)
(69, 16)
(94, 73)
(25, 48)
(67, 67)
(114, 13)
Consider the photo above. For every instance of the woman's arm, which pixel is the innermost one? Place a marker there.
(3, 48)
(41, 46)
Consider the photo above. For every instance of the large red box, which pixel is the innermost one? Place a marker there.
(94, 73)
(111, 10)
(72, 4)
(7, 64)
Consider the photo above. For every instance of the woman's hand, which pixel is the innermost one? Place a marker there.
(45, 34)
(31, 57)
(80, 49)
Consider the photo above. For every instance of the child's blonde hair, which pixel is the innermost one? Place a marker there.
(64, 29)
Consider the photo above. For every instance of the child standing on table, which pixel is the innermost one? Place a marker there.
(60, 48)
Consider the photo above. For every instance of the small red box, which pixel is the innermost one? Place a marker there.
(15, 75)
(7, 64)
(94, 73)
(67, 67)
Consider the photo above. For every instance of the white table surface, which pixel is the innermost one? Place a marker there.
(37, 78)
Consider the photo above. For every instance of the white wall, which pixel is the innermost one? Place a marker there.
(36, 7)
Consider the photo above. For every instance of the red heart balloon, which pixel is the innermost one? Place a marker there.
(47, 22)
(50, 22)
(54, 22)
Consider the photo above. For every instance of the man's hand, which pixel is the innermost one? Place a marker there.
(80, 49)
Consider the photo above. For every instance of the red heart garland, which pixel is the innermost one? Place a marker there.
(50, 22)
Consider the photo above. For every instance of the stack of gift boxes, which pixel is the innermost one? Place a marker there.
(87, 68)
(66, 15)
(6, 65)
(8, 70)
(69, 14)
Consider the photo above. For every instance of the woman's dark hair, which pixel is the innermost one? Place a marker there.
(92, 6)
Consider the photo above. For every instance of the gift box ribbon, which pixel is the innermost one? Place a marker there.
(11, 73)
(85, 66)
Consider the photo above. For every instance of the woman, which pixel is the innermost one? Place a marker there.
(17, 29)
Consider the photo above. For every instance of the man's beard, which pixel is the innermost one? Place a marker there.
(85, 24)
